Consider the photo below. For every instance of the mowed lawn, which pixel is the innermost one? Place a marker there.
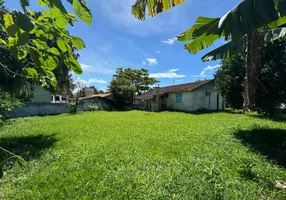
(141, 155)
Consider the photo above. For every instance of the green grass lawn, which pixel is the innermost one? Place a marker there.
(141, 155)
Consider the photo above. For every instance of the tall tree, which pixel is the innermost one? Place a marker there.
(128, 82)
(270, 95)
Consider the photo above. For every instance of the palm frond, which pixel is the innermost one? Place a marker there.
(154, 7)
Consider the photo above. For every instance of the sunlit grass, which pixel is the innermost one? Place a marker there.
(141, 155)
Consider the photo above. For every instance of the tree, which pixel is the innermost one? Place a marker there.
(270, 95)
(41, 41)
(128, 82)
(229, 80)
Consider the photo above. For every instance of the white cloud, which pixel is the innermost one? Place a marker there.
(150, 61)
(99, 69)
(158, 51)
(172, 73)
(170, 41)
(94, 80)
(207, 71)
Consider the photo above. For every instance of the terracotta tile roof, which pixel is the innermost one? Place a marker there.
(107, 96)
(174, 88)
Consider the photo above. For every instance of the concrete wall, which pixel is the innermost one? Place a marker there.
(41, 95)
(44, 109)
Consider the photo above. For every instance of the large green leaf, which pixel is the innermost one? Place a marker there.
(31, 73)
(77, 42)
(62, 45)
(154, 7)
(50, 63)
(202, 35)
(23, 21)
(234, 47)
(22, 38)
(82, 10)
(72, 64)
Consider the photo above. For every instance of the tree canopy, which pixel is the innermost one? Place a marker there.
(40, 40)
(128, 82)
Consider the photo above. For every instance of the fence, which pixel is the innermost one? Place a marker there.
(43, 109)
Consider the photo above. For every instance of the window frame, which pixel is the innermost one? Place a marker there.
(179, 97)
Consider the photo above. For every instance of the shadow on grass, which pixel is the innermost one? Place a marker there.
(269, 142)
(29, 147)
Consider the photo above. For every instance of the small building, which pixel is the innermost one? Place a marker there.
(41, 95)
(103, 101)
(189, 97)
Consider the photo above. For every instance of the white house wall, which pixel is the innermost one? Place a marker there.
(186, 104)
(201, 100)
(197, 99)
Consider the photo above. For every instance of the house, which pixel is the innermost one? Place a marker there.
(189, 97)
(103, 101)
(41, 95)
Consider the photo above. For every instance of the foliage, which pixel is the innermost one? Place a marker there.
(11, 156)
(94, 107)
(41, 40)
(72, 106)
(127, 82)
(271, 91)
(154, 7)
(229, 80)
(7, 103)
(234, 26)
(131, 155)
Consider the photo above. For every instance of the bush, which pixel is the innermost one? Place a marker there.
(93, 107)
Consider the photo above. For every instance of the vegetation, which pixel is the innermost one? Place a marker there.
(141, 155)
(270, 92)
(128, 82)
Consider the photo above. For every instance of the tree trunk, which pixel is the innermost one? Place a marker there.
(254, 45)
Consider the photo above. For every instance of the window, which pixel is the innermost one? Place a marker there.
(179, 98)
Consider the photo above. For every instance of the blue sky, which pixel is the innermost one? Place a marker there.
(117, 39)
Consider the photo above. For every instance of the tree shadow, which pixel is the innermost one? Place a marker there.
(269, 142)
(29, 147)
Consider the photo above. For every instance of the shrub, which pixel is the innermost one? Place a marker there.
(93, 107)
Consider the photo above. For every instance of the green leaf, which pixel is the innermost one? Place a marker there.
(40, 44)
(19, 52)
(23, 21)
(12, 30)
(31, 73)
(82, 11)
(8, 20)
(23, 38)
(21, 161)
(50, 63)
(35, 56)
(72, 64)
(54, 51)
(62, 45)
(78, 43)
